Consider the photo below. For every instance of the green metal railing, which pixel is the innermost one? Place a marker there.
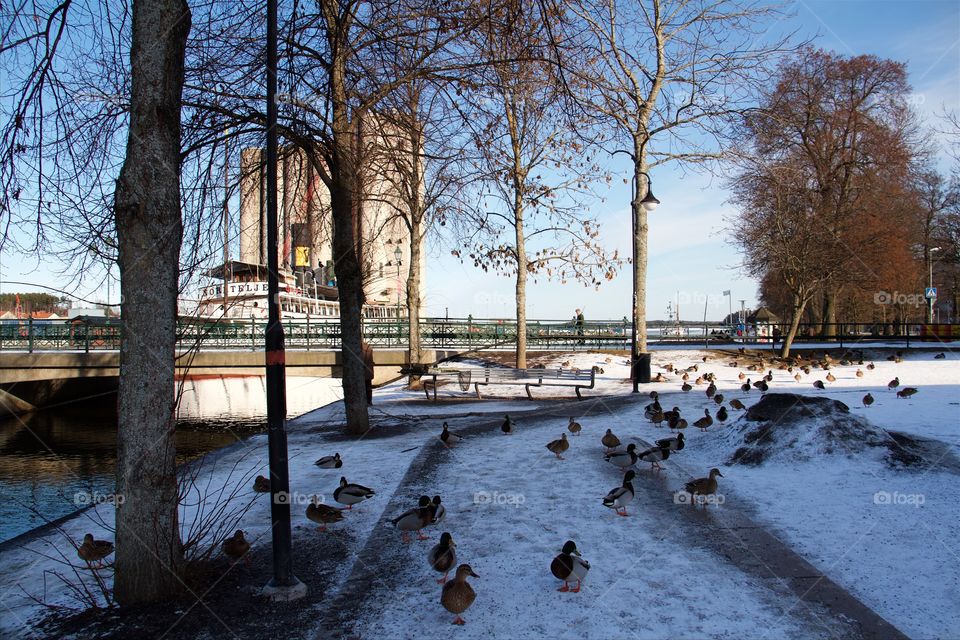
(435, 333)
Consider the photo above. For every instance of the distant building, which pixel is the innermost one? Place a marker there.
(305, 224)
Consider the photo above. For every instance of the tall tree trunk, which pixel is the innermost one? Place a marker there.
(521, 288)
(799, 303)
(640, 257)
(343, 168)
(413, 292)
(149, 556)
(830, 312)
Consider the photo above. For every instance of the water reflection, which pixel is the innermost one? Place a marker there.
(51, 461)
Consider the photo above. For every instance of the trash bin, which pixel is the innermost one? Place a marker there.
(642, 368)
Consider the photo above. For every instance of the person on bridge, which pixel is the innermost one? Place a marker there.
(366, 352)
(578, 321)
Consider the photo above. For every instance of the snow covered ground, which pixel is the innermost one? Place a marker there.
(885, 533)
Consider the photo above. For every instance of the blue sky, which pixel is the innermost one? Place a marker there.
(690, 256)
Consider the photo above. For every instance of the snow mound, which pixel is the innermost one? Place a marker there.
(785, 427)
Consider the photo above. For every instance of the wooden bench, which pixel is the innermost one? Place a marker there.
(576, 378)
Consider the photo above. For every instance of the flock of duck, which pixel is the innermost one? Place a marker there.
(568, 566)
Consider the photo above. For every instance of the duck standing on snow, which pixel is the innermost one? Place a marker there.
(722, 414)
(867, 400)
(574, 427)
(261, 484)
(654, 456)
(443, 556)
(906, 392)
(940, 356)
(437, 511)
(351, 494)
(457, 594)
(705, 422)
(557, 447)
(330, 462)
(569, 566)
(609, 440)
(507, 426)
(414, 520)
(449, 438)
(718, 398)
(323, 514)
(736, 404)
(95, 550)
(703, 486)
(675, 443)
(859, 373)
(236, 547)
(893, 384)
(623, 459)
(818, 384)
(620, 497)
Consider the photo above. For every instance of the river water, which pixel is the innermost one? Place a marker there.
(54, 462)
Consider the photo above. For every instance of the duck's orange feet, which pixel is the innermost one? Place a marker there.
(420, 536)
(564, 588)
(442, 580)
(624, 514)
(459, 620)
(576, 589)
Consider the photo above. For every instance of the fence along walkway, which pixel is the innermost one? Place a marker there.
(442, 333)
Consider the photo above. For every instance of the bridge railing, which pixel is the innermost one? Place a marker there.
(452, 333)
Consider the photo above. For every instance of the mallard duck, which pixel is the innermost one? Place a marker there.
(658, 418)
(705, 422)
(659, 377)
(565, 364)
(736, 404)
(867, 400)
(609, 440)
(449, 438)
(745, 387)
(893, 384)
(624, 459)
(940, 356)
(742, 376)
(797, 377)
(722, 414)
(443, 556)
(674, 443)
(507, 426)
(569, 566)
(703, 486)
(831, 377)
(437, 511)
(654, 456)
(261, 484)
(871, 366)
(557, 447)
(699, 380)
(457, 594)
(330, 462)
(236, 547)
(718, 398)
(685, 377)
(574, 427)
(906, 392)
(711, 390)
(621, 496)
(654, 396)
(859, 373)
(652, 409)
(351, 494)
(686, 387)
(322, 514)
(94, 550)
(414, 520)
(818, 384)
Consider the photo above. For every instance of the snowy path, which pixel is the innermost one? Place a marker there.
(668, 570)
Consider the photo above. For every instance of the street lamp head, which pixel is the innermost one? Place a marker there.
(397, 253)
(649, 201)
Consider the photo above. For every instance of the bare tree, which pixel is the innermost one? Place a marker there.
(149, 225)
(536, 169)
(669, 77)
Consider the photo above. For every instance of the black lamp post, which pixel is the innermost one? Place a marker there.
(284, 585)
